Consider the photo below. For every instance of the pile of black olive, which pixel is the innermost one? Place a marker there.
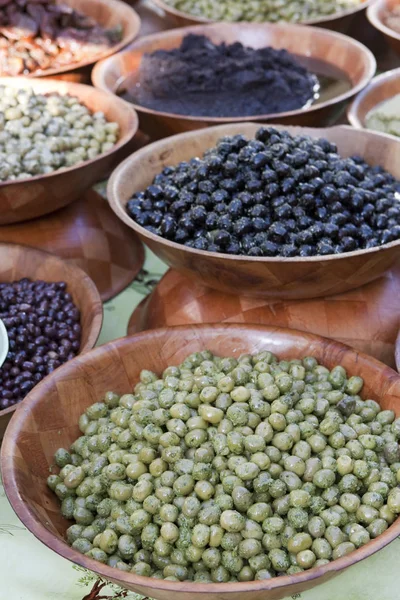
(276, 195)
(43, 328)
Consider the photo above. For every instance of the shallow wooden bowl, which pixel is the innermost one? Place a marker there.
(321, 51)
(108, 13)
(265, 277)
(48, 420)
(29, 198)
(338, 22)
(381, 88)
(367, 318)
(17, 262)
(89, 235)
(376, 15)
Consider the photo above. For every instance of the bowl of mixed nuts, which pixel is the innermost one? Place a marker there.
(56, 140)
(49, 37)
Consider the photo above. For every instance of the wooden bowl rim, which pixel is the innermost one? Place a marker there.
(130, 15)
(91, 291)
(73, 89)
(298, 30)
(373, 16)
(134, 159)
(345, 13)
(376, 82)
(29, 519)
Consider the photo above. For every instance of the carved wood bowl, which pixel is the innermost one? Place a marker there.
(24, 199)
(377, 13)
(381, 88)
(278, 277)
(338, 22)
(48, 420)
(367, 318)
(18, 261)
(109, 14)
(324, 52)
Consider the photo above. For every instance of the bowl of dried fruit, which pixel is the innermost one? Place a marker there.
(62, 38)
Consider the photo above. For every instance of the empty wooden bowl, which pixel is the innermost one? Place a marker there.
(383, 87)
(17, 262)
(89, 235)
(377, 13)
(48, 420)
(24, 199)
(367, 318)
(265, 277)
(340, 21)
(347, 63)
(108, 14)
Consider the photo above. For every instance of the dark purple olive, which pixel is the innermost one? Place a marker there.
(43, 328)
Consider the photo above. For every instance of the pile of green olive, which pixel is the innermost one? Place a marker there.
(261, 10)
(231, 470)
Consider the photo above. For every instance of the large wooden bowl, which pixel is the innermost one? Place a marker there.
(17, 262)
(367, 318)
(24, 199)
(264, 277)
(376, 15)
(321, 51)
(48, 419)
(108, 13)
(383, 87)
(338, 22)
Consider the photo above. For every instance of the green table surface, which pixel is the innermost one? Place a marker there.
(31, 571)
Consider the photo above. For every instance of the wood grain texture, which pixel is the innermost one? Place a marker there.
(312, 46)
(89, 235)
(48, 419)
(108, 13)
(381, 88)
(18, 261)
(293, 278)
(377, 14)
(29, 198)
(339, 22)
(367, 319)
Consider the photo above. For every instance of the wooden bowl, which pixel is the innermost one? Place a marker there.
(376, 15)
(338, 22)
(26, 199)
(17, 262)
(278, 277)
(321, 51)
(108, 13)
(89, 235)
(48, 420)
(383, 87)
(367, 318)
